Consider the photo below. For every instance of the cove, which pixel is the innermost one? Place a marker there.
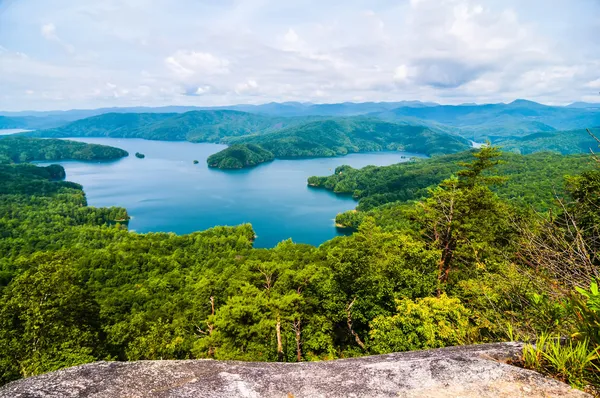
(166, 192)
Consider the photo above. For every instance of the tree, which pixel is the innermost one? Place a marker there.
(47, 320)
(464, 219)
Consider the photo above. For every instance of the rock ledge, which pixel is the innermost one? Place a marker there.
(470, 371)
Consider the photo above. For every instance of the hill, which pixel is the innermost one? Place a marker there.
(239, 156)
(122, 125)
(340, 136)
(564, 142)
(21, 149)
(196, 126)
(30, 122)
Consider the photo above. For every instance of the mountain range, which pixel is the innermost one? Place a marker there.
(295, 129)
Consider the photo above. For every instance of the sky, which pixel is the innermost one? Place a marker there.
(65, 54)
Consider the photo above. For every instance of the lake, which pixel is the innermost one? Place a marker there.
(166, 192)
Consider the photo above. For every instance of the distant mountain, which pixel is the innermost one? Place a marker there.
(125, 125)
(285, 109)
(584, 105)
(475, 122)
(520, 117)
(30, 122)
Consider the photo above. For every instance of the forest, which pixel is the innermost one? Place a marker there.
(327, 138)
(534, 180)
(454, 260)
(21, 149)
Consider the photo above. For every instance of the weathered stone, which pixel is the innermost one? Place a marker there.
(469, 371)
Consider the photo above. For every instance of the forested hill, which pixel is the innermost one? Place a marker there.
(196, 126)
(531, 180)
(21, 149)
(336, 137)
(339, 137)
(123, 125)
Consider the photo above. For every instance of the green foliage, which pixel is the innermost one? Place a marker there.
(375, 186)
(430, 322)
(47, 320)
(239, 156)
(76, 286)
(587, 308)
(575, 363)
(20, 149)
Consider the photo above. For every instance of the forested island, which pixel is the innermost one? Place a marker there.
(239, 156)
(460, 262)
(21, 149)
(140, 155)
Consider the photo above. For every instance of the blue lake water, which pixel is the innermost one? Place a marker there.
(166, 192)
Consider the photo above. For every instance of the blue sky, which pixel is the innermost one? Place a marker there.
(64, 54)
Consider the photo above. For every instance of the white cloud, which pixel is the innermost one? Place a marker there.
(156, 52)
(48, 32)
(401, 74)
(186, 64)
(594, 84)
(248, 87)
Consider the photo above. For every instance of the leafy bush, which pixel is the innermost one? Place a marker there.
(430, 322)
(587, 309)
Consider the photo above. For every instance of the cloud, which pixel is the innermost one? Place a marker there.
(185, 64)
(48, 32)
(248, 87)
(594, 84)
(193, 52)
(401, 74)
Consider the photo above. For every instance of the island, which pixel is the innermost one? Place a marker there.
(140, 155)
(240, 156)
(22, 150)
(196, 162)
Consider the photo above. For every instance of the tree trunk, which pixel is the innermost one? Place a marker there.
(352, 332)
(279, 344)
(298, 344)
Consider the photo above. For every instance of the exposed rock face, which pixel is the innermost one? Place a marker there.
(470, 371)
